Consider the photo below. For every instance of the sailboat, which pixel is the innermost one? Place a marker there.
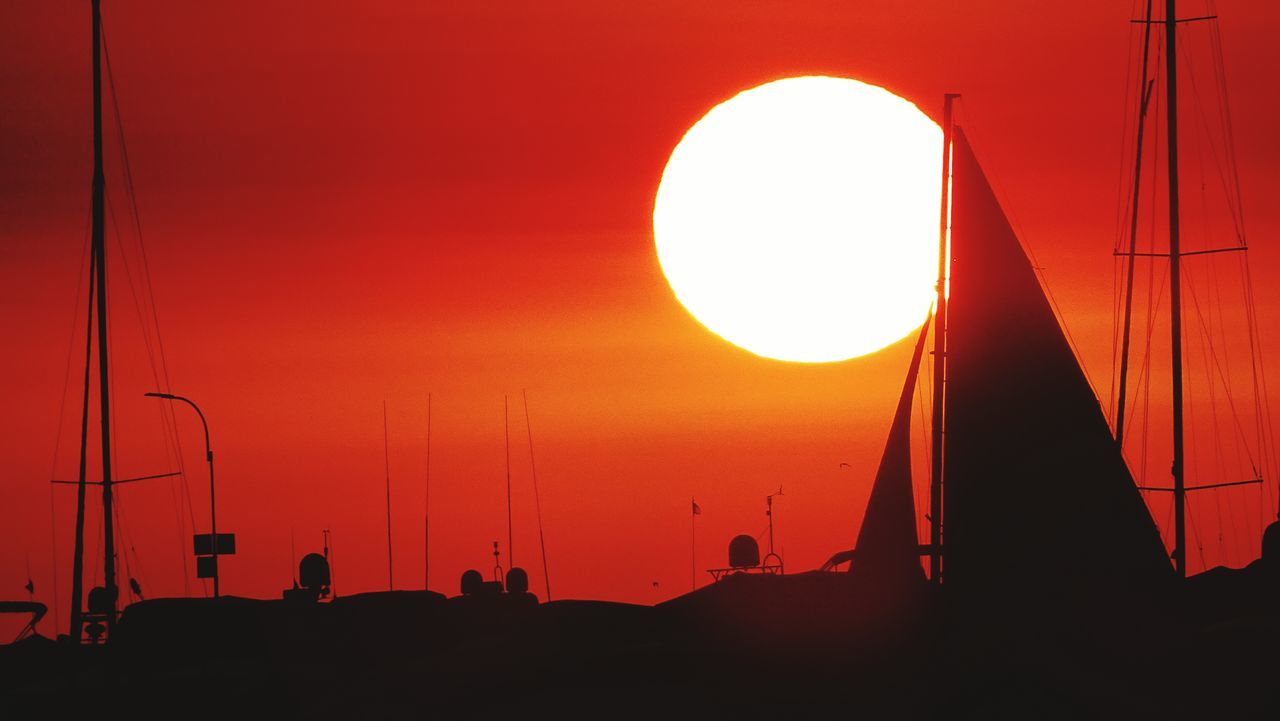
(1038, 498)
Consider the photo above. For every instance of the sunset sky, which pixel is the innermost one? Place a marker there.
(349, 203)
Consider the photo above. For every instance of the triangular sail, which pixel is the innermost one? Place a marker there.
(1036, 492)
(888, 549)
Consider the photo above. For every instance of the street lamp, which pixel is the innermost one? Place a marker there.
(208, 453)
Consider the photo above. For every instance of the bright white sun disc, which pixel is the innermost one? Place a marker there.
(798, 219)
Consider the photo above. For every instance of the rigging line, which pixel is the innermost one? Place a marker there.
(169, 425)
(1121, 195)
(1195, 303)
(1215, 39)
(168, 418)
(1153, 313)
(57, 436)
(1217, 164)
(546, 575)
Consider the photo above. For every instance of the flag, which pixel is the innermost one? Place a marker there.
(31, 586)
(697, 511)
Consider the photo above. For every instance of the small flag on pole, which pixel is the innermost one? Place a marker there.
(697, 510)
(31, 587)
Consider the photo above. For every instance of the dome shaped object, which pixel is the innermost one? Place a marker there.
(313, 571)
(472, 581)
(744, 552)
(517, 581)
(101, 599)
(1271, 543)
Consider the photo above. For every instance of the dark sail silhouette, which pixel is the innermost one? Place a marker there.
(887, 550)
(1036, 492)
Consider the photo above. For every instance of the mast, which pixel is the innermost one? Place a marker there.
(939, 350)
(1175, 288)
(99, 247)
(1145, 90)
(77, 562)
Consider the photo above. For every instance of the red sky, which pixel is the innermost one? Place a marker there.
(344, 204)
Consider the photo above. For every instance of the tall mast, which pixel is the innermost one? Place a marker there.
(1175, 288)
(99, 246)
(940, 350)
(1145, 95)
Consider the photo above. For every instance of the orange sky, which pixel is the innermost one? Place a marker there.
(344, 205)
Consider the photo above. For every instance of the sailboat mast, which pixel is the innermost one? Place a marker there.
(99, 245)
(939, 349)
(1175, 288)
(1145, 95)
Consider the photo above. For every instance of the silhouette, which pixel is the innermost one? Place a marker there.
(1055, 596)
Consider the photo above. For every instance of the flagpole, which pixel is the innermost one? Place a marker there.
(693, 545)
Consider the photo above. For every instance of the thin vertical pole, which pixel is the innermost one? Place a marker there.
(426, 506)
(1145, 90)
(104, 379)
(1175, 288)
(693, 545)
(940, 348)
(506, 432)
(537, 499)
(386, 453)
(77, 558)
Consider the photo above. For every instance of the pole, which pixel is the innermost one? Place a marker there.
(1145, 90)
(426, 506)
(506, 431)
(940, 347)
(537, 497)
(77, 559)
(693, 546)
(386, 454)
(1175, 289)
(104, 379)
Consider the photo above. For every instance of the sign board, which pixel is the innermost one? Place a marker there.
(226, 544)
(206, 567)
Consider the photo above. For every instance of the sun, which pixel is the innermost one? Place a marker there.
(799, 219)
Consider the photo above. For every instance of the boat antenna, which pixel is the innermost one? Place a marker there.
(333, 593)
(497, 563)
(537, 501)
(386, 453)
(506, 434)
(426, 505)
(768, 511)
(940, 345)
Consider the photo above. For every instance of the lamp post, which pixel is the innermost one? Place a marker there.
(208, 454)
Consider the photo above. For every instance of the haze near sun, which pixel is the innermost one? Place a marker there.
(799, 219)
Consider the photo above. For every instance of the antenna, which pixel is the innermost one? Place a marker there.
(768, 511)
(537, 501)
(386, 452)
(333, 593)
(497, 563)
(506, 434)
(426, 506)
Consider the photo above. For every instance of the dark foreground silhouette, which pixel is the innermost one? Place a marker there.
(751, 646)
